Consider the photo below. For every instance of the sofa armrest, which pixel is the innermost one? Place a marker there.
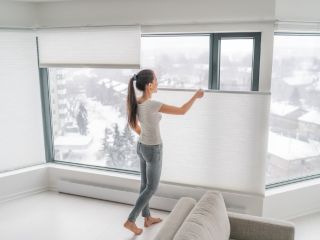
(175, 219)
(247, 227)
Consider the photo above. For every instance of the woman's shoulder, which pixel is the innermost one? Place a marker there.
(148, 101)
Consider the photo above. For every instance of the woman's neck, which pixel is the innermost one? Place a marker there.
(146, 96)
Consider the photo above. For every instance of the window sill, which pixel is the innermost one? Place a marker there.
(292, 200)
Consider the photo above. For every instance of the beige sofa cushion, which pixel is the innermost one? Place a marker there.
(208, 220)
(175, 219)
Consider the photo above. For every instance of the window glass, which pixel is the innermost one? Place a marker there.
(88, 116)
(179, 61)
(294, 136)
(236, 64)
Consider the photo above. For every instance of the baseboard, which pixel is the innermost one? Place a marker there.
(281, 203)
(22, 194)
(105, 192)
(124, 188)
(23, 182)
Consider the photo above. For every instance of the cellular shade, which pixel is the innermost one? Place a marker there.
(21, 138)
(109, 47)
(220, 143)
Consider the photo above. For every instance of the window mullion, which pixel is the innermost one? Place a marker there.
(215, 59)
(256, 63)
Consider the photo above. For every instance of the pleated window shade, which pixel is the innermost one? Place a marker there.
(21, 138)
(108, 47)
(220, 143)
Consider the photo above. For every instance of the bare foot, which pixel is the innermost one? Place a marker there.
(148, 221)
(132, 227)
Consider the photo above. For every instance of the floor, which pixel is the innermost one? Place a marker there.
(57, 216)
(308, 227)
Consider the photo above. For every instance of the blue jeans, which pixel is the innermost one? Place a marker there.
(150, 166)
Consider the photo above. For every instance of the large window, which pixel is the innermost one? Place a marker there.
(86, 107)
(88, 117)
(294, 136)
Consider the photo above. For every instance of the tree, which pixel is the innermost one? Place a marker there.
(130, 148)
(106, 140)
(115, 151)
(82, 120)
(119, 148)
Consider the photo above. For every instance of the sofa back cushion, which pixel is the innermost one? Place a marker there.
(175, 219)
(208, 220)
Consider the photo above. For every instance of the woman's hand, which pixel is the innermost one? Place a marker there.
(199, 93)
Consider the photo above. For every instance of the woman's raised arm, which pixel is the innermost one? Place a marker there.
(169, 109)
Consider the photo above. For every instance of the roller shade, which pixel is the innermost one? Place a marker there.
(220, 143)
(109, 47)
(297, 27)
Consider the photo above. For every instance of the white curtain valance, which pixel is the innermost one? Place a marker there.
(110, 47)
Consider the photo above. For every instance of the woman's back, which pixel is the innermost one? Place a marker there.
(149, 118)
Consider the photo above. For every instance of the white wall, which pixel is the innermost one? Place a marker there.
(17, 14)
(72, 13)
(297, 10)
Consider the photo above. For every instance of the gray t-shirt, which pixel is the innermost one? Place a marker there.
(149, 117)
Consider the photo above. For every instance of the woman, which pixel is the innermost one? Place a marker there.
(149, 146)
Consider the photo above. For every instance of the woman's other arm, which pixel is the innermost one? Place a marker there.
(137, 129)
(184, 108)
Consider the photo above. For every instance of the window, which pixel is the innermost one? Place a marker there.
(294, 134)
(179, 61)
(88, 117)
(85, 107)
(221, 61)
(235, 61)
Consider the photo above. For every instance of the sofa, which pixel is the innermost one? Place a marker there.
(208, 219)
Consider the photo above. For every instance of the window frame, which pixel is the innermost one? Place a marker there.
(216, 53)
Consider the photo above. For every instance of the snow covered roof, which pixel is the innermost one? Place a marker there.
(282, 108)
(312, 116)
(117, 86)
(316, 85)
(120, 87)
(291, 148)
(300, 78)
(88, 72)
(72, 141)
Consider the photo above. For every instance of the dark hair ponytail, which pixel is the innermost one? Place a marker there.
(143, 78)
(132, 105)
